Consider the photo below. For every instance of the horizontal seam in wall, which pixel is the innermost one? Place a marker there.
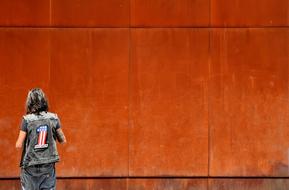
(148, 27)
(161, 177)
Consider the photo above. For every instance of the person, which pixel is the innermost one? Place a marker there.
(38, 134)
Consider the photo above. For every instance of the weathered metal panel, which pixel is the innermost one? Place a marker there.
(90, 13)
(73, 184)
(249, 184)
(173, 13)
(249, 13)
(169, 124)
(248, 105)
(167, 184)
(25, 13)
(92, 184)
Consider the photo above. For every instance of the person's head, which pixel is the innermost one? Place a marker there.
(36, 101)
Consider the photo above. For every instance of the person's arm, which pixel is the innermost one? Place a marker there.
(21, 138)
(22, 134)
(60, 136)
(59, 133)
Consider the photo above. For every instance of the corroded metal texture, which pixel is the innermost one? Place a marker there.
(149, 13)
(90, 13)
(161, 184)
(169, 132)
(11, 184)
(249, 102)
(167, 184)
(119, 184)
(92, 184)
(249, 13)
(248, 184)
(25, 13)
(152, 95)
(174, 13)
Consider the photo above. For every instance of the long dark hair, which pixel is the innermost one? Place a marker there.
(36, 101)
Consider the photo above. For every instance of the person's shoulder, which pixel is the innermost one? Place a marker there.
(29, 117)
(50, 115)
(42, 115)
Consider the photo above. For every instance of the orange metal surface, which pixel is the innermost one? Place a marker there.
(167, 183)
(249, 184)
(92, 184)
(73, 184)
(89, 90)
(11, 184)
(25, 13)
(170, 13)
(249, 13)
(90, 13)
(151, 13)
(153, 95)
(161, 184)
(249, 111)
(169, 132)
(118, 184)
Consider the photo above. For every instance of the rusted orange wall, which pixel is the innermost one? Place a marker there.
(155, 89)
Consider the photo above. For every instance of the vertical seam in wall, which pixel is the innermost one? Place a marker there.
(49, 65)
(208, 105)
(50, 12)
(287, 48)
(49, 48)
(129, 24)
(129, 91)
(129, 99)
(210, 13)
(208, 92)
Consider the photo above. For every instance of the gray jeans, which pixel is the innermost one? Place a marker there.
(38, 177)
